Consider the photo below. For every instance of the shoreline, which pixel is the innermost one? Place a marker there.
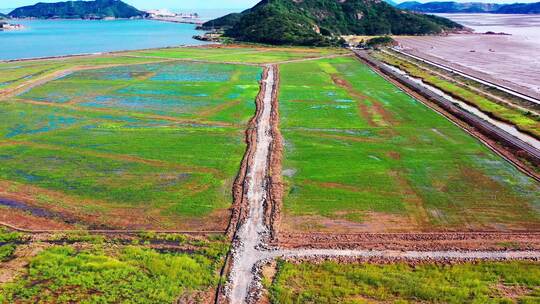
(194, 22)
(102, 53)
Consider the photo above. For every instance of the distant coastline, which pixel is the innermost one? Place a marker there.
(52, 38)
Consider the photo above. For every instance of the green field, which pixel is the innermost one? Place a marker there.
(484, 282)
(94, 269)
(361, 155)
(242, 54)
(16, 73)
(141, 146)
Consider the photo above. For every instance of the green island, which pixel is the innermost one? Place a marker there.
(322, 22)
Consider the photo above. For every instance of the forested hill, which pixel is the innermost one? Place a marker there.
(471, 7)
(321, 22)
(98, 9)
(520, 8)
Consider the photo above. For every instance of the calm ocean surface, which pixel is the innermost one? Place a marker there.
(42, 38)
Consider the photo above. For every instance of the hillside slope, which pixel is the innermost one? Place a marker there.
(449, 7)
(520, 8)
(321, 22)
(97, 9)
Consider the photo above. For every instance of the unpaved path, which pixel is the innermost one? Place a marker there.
(249, 237)
(411, 255)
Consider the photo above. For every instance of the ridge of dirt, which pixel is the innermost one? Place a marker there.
(275, 180)
(414, 241)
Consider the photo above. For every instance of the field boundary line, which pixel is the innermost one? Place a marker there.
(112, 111)
(112, 231)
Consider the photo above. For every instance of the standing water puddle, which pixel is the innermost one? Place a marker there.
(510, 129)
(32, 210)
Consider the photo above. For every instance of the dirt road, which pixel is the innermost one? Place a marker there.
(250, 236)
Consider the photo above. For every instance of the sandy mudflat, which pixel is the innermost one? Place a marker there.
(510, 60)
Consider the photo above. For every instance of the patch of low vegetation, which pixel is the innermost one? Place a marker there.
(361, 155)
(377, 42)
(114, 274)
(7, 251)
(483, 282)
(7, 236)
(8, 240)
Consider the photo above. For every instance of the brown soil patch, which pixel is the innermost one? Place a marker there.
(371, 222)
(268, 273)
(275, 188)
(394, 155)
(332, 185)
(513, 292)
(367, 111)
(366, 114)
(216, 109)
(385, 114)
(24, 253)
(414, 203)
(488, 241)
(345, 138)
(20, 219)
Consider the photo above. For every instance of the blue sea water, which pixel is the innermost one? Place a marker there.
(43, 38)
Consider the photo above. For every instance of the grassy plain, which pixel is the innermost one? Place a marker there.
(94, 269)
(244, 54)
(522, 119)
(16, 73)
(483, 282)
(361, 155)
(140, 146)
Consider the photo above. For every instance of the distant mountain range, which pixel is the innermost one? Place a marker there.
(322, 22)
(2, 16)
(98, 9)
(471, 7)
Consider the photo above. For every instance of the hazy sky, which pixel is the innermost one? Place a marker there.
(205, 4)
